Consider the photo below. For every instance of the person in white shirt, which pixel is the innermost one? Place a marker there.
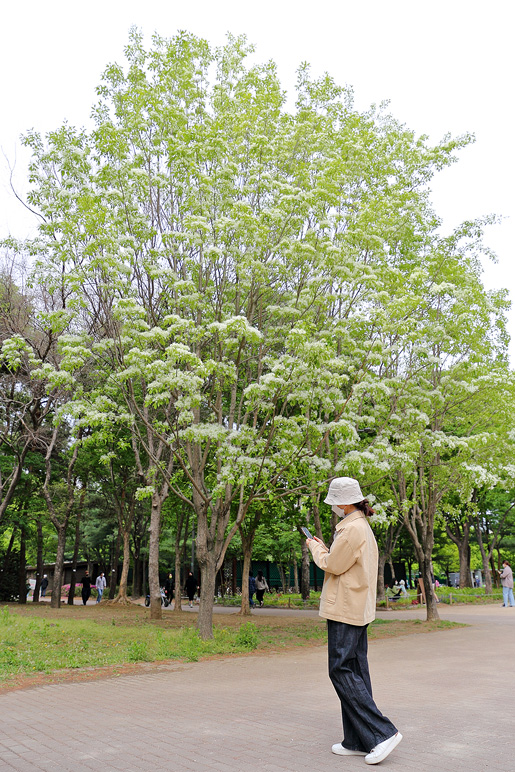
(100, 585)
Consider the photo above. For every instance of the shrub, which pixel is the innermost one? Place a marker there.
(138, 652)
(9, 581)
(248, 636)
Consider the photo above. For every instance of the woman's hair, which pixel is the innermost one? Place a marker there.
(365, 507)
(260, 574)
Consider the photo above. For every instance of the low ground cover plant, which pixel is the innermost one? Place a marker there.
(277, 600)
(450, 595)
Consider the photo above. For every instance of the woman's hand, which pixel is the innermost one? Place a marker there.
(315, 538)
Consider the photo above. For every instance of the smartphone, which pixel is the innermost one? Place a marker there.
(306, 532)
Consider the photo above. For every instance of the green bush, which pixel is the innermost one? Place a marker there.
(138, 652)
(9, 580)
(247, 636)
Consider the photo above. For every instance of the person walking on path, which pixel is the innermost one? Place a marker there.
(44, 585)
(190, 587)
(86, 587)
(169, 585)
(100, 584)
(261, 587)
(348, 602)
(507, 584)
(252, 589)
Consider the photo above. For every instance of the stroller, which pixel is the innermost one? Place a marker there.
(164, 600)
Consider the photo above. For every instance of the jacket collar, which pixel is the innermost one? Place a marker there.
(349, 519)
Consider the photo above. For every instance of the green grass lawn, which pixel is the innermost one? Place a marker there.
(37, 640)
(445, 594)
(43, 645)
(450, 595)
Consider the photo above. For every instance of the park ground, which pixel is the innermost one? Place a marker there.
(449, 692)
(39, 644)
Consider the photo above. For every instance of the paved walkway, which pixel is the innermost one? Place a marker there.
(450, 693)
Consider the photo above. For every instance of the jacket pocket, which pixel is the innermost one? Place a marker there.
(330, 589)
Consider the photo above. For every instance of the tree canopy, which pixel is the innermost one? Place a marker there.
(245, 296)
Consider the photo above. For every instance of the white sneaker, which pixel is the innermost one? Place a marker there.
(381, 751)
(341, 751)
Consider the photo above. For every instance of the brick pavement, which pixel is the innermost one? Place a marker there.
(450, 693)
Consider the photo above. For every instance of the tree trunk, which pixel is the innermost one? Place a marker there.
(305, 588)
(153, 558)
(71, 593)
(464, 553)
(144, 575)
(222, 584)
(392, 568)
(39, 560)
(460, 535)
(113, 576)
(380, 576)
(484, 558)
(138, 531)
(177, 605)
(121, 597)
(183, 524)
(247, 557)
(73, 580)
(282, 576)
(207, 563)
(295, 575)
(410, 571)
(22, 572)
(431, 606)
(55, 601)
(136, 576)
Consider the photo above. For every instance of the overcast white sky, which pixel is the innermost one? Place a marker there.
(445, 66)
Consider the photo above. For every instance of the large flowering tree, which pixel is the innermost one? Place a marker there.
(231, 271)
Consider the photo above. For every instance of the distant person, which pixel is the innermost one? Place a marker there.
(100, 584)
(507, 584)
(44, 585)
(190, 588)
(261, 587)
(348, 602)
(31, 586)
(252, 589)
(402, 585)
(169, 587)
(86, 587)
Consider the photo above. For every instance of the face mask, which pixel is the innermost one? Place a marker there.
(337, 511)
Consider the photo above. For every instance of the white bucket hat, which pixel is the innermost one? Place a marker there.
(344, 490)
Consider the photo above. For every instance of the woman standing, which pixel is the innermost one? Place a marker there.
(190, 587)
(261, 587)
(86, 587)
(348, 603)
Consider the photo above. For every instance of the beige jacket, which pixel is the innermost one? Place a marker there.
(349, 591)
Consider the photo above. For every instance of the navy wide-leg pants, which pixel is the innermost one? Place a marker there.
(364, 726)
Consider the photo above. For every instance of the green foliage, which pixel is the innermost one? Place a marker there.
(247, 636)
(9, 581)
(138, 652)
